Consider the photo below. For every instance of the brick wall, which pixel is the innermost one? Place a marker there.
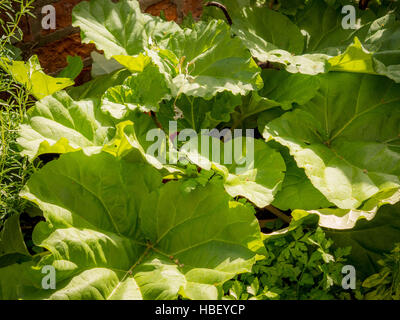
(53, 46)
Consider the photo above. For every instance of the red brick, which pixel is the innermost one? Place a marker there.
(53, 56)
(193, 6)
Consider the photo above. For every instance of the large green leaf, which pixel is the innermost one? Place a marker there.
(273, 31)
(326, 34)
(119, 246)
(297, 191)
(30, 75)
(12, 245)
(354, 59)
(384, 35)
(204, 69)
(346, 138)
(325, 39)
(225, 246)
(102, 66)
(281, 89)
(57, 124)
(302, 45)
(95, 88)
(256, 27)
(285, 89)
(250, 168)
(11, 278)
(344, 219)
(380, 53)
(119, 28)
(143, 91)
(140, 140)
(198, 113)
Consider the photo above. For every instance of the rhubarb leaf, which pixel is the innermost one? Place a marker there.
(346, 138)
(58, 124)
(123, 247)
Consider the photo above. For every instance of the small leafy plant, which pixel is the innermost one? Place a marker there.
(385, 284)
(300, 264)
